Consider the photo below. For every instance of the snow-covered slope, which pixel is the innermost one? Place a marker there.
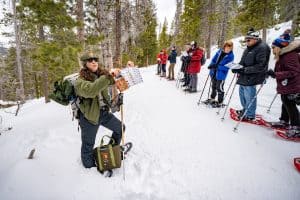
(181, 150)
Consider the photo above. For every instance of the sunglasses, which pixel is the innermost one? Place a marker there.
(92, 59)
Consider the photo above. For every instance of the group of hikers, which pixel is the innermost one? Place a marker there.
(251, 75)
(92, 85)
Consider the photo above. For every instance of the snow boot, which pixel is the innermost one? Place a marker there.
(293, 132)
(280, 124)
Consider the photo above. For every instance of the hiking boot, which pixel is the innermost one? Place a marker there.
(187, 89)
(293, 132)
(240, 112)
(216, 104)
(246, 118)
(279, 124)
(192, 91)
(209, 101)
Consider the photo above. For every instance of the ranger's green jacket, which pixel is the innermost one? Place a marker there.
(89, 93)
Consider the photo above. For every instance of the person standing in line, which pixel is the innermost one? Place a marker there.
(287, 74)
(158, 63)
(255, 61)
(195, 55)
(218, 72)
(163, 59)
(172, 59)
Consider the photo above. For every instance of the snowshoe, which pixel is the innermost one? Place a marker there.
(107, 173)
(297, 163)
(126, 147)
(283, 134)
(279, 125)
(258, 120)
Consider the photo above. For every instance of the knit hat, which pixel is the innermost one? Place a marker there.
(252, 34)
(280, 42)
(286, 34)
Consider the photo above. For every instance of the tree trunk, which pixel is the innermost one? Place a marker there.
(224, 23)
(79, 17)
(118, 33)
(18, 54)
(46, 84)
(103, 25)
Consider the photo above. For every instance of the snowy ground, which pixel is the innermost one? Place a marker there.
(181, 150)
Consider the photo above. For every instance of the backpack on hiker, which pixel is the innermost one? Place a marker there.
(64, 93)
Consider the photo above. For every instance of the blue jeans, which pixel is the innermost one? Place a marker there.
(247, 93)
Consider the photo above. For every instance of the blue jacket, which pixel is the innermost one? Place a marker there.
(221, 70)
(172, 56)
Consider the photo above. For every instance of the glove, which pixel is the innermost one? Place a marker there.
(212, 66)
(239, 71)
(271, 73)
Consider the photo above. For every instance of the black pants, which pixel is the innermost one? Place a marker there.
(217, 86)
(89, 132)
(289, 111)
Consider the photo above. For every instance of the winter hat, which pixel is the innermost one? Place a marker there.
(280, 42)
(286, 34)
(252, 34)
(87, 55)
(193, 44)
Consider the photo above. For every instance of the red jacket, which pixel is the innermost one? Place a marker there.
(195, 64)
(287, 69)
(163, 57)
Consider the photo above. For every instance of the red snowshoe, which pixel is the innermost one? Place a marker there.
(297, 163)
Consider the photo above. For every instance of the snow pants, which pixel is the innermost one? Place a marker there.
(289, 111)
(89, 132)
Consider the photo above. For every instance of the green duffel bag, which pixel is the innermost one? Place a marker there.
(107, 156)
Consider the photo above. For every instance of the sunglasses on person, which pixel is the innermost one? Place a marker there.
(92, 59)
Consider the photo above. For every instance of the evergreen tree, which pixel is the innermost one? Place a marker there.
(257, 14)
(164, 38)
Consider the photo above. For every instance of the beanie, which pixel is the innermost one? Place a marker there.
(280, 42)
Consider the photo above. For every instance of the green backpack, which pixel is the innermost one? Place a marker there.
(64, 93)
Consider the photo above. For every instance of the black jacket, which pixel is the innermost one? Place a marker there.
(255, 60)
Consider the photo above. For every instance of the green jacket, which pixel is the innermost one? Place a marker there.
(89, 93)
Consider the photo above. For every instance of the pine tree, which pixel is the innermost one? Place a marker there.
(257, 14)
(163, 40)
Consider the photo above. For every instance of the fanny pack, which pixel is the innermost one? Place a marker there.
(107, 156)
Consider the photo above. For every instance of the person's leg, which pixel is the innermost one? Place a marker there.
(292, 110)
(213, 88)
(220, 88)
(88, 135)
(109, 121)
(284, 113)
(194, 82)
(250, 93)
(172, 71)
(242, 96)
(169, 71)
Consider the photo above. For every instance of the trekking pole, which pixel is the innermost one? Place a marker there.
(209, 88)
(269, 109)
(123, 138)
(199, 101)
(178, 79)
(229, 100)
(226, 93)
(238, 123)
